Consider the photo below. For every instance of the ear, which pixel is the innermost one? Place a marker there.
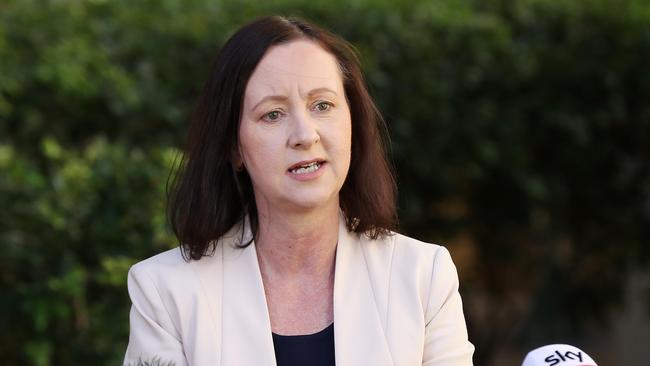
(236, 160)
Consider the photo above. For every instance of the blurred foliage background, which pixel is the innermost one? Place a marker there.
(520, 133)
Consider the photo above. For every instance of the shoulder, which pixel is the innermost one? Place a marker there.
(410, 254)
(169, 263)
(435, 258)
(412, 246)
(172, 263)
(412, 268)
(154, 276)
(168, 274)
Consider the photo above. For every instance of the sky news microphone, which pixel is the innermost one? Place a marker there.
(558, 355)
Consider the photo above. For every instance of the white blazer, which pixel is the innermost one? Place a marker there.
(396, 302)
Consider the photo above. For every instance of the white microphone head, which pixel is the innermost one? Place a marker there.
(558, 355)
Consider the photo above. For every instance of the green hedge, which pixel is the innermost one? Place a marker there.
(72, 225)
(521, 136)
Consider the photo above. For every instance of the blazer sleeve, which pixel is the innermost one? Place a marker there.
(153, 339)
(446, 342)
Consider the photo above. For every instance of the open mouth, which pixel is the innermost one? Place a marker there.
(306, 167)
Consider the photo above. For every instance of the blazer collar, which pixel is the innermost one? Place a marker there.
(245, 330)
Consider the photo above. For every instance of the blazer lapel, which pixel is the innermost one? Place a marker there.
(246, 326)
(358, 330)
(209, 272)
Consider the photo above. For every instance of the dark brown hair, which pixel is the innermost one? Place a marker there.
(207, 195)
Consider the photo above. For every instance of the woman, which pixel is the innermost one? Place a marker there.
(284, 207)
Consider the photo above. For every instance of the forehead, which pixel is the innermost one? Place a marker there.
(301, 63)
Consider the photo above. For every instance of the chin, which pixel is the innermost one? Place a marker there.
(307, 202)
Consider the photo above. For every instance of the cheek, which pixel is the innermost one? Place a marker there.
(348, 152)
(346, 132)
(344, 145)
(249, 141)
(260, 153)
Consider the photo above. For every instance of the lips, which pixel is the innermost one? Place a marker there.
(306, 164)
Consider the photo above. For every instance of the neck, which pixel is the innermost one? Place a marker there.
(298, 245)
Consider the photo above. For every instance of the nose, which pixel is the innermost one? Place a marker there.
(304, 132)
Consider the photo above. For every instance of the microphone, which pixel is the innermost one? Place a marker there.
(558, 355)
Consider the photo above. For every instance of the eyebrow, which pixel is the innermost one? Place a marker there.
(321, 90)
(282, 98)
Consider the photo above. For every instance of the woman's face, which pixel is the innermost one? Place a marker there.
(295, 131)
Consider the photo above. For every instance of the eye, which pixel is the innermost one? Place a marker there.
(323, 106)
(272, 116)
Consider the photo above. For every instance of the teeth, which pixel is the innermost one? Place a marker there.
(311, 167)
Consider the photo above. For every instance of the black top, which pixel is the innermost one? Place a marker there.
(310, 349)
